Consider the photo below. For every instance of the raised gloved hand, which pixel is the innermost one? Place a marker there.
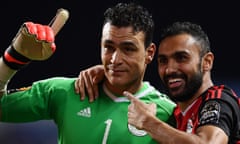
(32, 42)
(35, 41)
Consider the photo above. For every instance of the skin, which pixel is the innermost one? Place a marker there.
(178, 55)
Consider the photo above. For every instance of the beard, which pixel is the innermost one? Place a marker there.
(191, 87)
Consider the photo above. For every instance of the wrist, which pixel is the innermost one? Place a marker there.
(6, 74)
(150, 123)
(14, 59)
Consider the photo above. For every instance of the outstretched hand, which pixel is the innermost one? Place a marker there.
(138, 111)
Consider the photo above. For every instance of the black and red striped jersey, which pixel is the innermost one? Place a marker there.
(218, 106)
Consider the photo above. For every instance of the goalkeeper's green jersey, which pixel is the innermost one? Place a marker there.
(103, 121)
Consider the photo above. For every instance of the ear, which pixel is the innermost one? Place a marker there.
(208, 61)
(150, 52)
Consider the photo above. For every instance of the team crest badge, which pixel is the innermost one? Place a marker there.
(136, 131)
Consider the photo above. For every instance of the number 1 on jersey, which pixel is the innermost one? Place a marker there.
(108, 125)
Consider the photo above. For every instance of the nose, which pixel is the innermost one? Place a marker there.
(116, 57)
(171, 67)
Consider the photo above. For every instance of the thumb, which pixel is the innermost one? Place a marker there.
(153, 108)
(59, 20)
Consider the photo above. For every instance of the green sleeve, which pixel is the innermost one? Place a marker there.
(37, 102)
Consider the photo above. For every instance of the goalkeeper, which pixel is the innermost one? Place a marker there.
(127, 49)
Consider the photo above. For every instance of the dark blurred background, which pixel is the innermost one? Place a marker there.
(78, 45)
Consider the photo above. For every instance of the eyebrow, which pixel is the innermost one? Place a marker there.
(175, 53)
(125, 43)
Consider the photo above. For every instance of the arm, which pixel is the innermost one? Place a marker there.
(143, 117)
(5, 75)
(29, 44)
(32, 42)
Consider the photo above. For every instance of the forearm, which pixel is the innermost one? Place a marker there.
(165, 134)
(6, 74)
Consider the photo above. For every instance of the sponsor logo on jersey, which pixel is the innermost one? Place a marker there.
(86, 112)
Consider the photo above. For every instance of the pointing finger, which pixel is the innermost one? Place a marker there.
(129, 95)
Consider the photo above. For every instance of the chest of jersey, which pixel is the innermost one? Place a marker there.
(103, 121)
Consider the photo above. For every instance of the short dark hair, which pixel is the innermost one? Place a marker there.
(192, 29)
(131, 14)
